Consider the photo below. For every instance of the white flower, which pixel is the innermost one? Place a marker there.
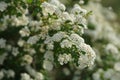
(15, 51)
(75, 38)
(35, 25)
(115, 76)
(3, 6)
(83, 61)
(24, 32)
(66, 16)
(48, 40)
(39, 76)
(48, 8)
(117, 66)
(25, 76)
(10, 73)
(34, 73)
(31, 51)
(88, 58)
(19, 21)
(81, 20)
(96, 76)
(55, 2)
(2, 58)
(49, 55)
(62, 7)
(1, 75)
(110, 48)
(32, 40)
(108, 74)
(23, 10)
(55, 24)
(47, 65)
(66, 44)
(81, 2)
(27, 59)
(4, 25)
(64, 58)
(78, 10)
(21, 42)
(89, 53)
(2, 43)
(58, 36)
(58, 4)
(50, 46)
(87, 49)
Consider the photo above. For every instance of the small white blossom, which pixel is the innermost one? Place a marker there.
(83, 61)
(10, 73)
(25, 76)
(39, 76)
(27, 59)
(2, 43)
(96, 76)
(108, 74)
(48, 8)
(19, 21)
(34, 73)
(55, 24)
(3, 6)
(62, 7)
(47, 65)
(66, 16)
(50, 46)
(88, 58)
(81, 2)
(76, 39)
(4, 26)
(48, 40)
(55, 2)
(64, 58)
(110, 48)
(24, 32)
(78, 10)
(49, 55)
(117, 66)
(2, 58)
(58, 36)
(15, 51)
(33, 40)
(21, 42)
(66, 44)
(1, 75)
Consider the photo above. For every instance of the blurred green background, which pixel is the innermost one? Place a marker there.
(115, 4)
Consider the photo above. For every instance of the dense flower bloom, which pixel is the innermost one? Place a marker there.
(37, 36)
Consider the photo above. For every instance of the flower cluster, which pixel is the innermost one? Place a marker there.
(105, 40)
(103, 35)
(37, 36)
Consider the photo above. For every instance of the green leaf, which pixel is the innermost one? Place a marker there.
(89, 13)
(29, 1)
(67, 21)
(81, 25)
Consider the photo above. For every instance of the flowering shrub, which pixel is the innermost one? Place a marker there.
(102, 35)
(37, 36)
